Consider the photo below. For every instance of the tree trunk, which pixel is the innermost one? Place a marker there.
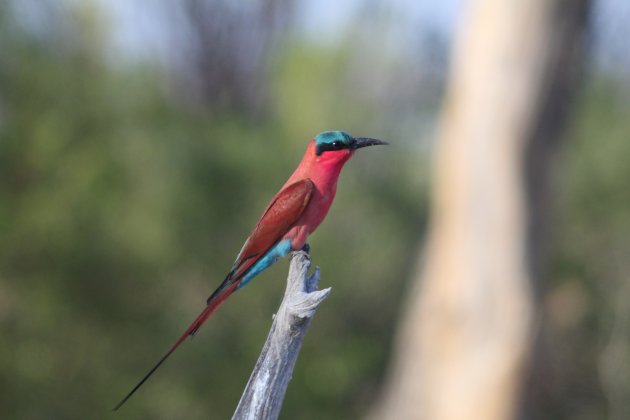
(464, 341)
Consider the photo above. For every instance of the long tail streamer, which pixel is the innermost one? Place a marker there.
(213, 305)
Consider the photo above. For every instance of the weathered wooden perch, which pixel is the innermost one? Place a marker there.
(264, 393)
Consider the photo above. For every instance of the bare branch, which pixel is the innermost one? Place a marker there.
(264, 393)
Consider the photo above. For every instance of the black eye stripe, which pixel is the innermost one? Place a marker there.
(325, 147)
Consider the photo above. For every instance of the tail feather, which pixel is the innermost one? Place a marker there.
(213, 305)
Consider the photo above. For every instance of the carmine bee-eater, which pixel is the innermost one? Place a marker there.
(293, 214)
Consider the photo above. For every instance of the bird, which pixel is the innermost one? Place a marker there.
(291, 216)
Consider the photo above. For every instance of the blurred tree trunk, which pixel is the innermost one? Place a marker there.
(221, 51)
(464, 341)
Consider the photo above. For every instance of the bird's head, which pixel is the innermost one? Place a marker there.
(339, 146)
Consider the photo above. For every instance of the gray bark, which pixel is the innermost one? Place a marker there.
(464, 342)
(264, 393)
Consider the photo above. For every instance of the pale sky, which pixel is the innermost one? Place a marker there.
(137, 32)
(611, 21)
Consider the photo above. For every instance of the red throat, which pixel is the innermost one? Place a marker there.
(324, 172)
(323, 169)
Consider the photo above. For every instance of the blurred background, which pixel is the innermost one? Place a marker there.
(139, 142)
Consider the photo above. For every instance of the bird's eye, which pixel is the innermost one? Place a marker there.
(335, 145)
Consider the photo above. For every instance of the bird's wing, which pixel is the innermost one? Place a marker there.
(278, 218)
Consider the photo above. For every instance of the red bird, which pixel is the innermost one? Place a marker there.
(291, 216)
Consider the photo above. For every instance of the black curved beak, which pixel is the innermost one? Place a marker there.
(360, 142)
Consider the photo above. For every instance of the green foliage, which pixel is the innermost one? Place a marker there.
(585, 304)
(121, 211)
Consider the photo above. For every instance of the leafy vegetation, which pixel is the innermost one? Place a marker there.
(122, 208)
(124, 198)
